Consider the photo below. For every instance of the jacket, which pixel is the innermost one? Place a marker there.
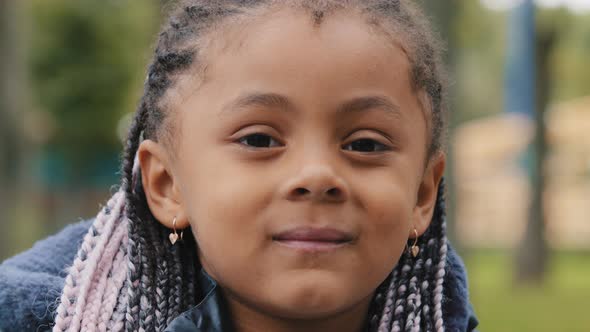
(31, 284)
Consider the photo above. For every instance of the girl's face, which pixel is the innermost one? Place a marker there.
(299, 163)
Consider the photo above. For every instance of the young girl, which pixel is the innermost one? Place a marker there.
(283, 173)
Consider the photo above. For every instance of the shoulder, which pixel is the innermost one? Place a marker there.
(457, 310)
(31, 282)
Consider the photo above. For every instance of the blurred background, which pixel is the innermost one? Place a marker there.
(71, 73)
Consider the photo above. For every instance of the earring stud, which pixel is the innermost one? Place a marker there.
(174, 236)
(414, 250)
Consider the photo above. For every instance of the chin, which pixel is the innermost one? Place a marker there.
(313, 296)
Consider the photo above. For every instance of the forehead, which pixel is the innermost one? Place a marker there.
(284, 34)
(317, 66)
(286, 46)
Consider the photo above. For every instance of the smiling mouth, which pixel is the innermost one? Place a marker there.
(308, 239)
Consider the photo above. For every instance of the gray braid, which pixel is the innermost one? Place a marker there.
(414, 299)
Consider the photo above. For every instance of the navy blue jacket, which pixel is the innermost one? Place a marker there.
(31, 283)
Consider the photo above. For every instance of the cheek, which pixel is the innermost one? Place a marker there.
(216, 188)
(389, 220)
(223, 204)
(386, 243)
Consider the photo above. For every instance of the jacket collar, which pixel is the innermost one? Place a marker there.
(211, 314)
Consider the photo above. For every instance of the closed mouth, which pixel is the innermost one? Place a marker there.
(313, 239)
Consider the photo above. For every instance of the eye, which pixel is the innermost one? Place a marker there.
(259, 141)
(366, 145)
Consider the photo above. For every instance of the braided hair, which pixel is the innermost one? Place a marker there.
(127, 275)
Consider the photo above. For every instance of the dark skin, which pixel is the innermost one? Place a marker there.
(297, 126)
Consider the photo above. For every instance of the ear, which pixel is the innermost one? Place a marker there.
(161, 189)
(427, 194)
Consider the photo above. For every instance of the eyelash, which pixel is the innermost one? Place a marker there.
(380, 147)
(259, 135)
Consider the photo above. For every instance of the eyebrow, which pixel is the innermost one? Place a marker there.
(280, 102)
(269, 100)
(362, 104)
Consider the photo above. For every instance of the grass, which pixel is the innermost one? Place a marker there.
(561, 303)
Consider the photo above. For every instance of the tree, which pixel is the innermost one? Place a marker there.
(444, 13)
(532, 254)
(87, 66)
(13, 143)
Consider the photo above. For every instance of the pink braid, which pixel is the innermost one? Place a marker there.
(92, 263)
(114, 284)
(74, 293)
(98, 285)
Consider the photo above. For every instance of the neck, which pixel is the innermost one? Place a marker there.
(247, 318)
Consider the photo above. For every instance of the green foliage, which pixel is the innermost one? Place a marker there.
(479, 61)
(478, 39)
(87, 66)
(570, 60)
(560, 304)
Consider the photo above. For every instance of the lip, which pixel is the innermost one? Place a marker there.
(310, 239)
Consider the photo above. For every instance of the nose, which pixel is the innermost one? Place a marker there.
(316, 183)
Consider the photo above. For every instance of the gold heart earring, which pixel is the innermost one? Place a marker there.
(174, 236)
(414, 250)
